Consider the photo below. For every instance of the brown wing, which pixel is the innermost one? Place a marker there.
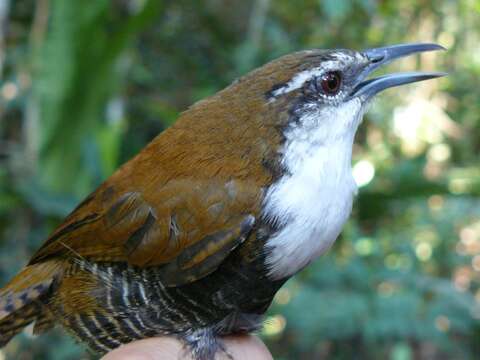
(186, 200)
(191, 228)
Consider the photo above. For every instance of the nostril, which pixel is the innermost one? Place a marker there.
(376, 58)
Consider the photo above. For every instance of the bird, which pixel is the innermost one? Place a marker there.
(194, 235)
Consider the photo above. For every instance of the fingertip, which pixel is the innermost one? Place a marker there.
(148, 349)
(247, 347)
(239, 347)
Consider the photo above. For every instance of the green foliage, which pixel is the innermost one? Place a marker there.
(83, 87)
(76, 70)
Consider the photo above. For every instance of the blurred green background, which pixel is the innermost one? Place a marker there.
(85, 85)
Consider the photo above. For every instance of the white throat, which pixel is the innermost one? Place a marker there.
(314, 200)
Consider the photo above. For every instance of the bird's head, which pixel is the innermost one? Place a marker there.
(323, 93)
(296, 104)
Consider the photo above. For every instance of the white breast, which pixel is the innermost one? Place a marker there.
(311, 204)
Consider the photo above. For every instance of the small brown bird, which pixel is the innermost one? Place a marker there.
(194, 236)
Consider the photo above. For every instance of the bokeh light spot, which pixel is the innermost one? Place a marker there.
(442, 323)
(423, 251)
(476, 263)
(363, 172)
(9, 91)
(274, 325)
(439, 152)
(283, 296)
(364, 246)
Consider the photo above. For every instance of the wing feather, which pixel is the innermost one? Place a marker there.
(188, 229)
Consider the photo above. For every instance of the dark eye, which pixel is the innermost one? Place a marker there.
(330, 82)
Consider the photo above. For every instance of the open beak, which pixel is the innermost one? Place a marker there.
(384, 55)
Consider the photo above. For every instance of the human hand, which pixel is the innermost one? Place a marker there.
(168, 348)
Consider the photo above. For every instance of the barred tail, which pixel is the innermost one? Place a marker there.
(16, 321)
(22, 301)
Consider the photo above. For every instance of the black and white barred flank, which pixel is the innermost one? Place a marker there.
(134, 304)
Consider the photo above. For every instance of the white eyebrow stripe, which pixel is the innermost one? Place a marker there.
(299, 79)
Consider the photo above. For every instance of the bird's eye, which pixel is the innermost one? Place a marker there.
(330, 82)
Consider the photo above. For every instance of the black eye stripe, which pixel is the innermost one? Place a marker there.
(314, 83)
